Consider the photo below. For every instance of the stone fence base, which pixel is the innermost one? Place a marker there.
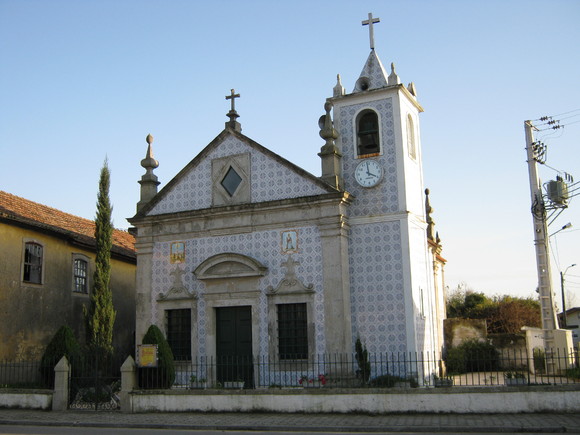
(379, 401)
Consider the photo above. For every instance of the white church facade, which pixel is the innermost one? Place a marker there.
(244, 254)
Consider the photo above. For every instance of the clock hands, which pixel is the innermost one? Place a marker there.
(369, 173)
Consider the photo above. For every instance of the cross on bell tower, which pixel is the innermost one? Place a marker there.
(232, 114)
(370, 23)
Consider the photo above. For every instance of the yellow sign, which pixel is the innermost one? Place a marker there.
(147, 355)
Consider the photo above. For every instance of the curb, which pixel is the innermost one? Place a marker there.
(303, 429)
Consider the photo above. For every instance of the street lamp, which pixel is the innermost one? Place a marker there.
(565, 227)
(563, 295)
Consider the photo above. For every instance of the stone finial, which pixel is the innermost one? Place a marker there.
(393, 77)
(411, 88)
(149, 180)
(338, 90)
(327, 130)
(430, 222)
(329, 153)
(149, 163)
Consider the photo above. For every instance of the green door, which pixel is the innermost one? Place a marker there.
(234, 345)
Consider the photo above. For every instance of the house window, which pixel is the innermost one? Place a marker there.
(292, 331)
(80, 269)
(411, 147)
(367, 133)
(179, 333)
(32, 263)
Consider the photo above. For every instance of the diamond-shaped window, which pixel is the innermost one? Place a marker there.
(231, 181)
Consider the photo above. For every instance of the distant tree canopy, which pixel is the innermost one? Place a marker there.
(503, 314)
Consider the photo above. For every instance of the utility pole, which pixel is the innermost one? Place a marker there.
(564, 321)
(564, 296)
(549, 322)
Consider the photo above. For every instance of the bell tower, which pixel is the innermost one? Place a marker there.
(391, 274)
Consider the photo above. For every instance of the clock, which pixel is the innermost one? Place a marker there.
(368, 173)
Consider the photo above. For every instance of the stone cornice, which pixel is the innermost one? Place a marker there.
(375, 94)
(245, 217)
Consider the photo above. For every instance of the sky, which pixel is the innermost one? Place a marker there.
(82, 82)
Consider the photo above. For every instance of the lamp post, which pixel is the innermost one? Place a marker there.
(564, 295)
(565, 227)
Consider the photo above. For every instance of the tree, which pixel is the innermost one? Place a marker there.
(101, 315)
(362, 359)
(513, 313)
(503, 314)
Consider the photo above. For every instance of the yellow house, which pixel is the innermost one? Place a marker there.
(46, 273)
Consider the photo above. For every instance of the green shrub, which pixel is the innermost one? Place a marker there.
(389, 381)
(62, 344)
(163, 375)
(362, 359)
(472, 356)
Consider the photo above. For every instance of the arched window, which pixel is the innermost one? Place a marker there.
(411, 147)
(367, 133)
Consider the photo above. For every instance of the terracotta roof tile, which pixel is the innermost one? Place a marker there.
(21, 210)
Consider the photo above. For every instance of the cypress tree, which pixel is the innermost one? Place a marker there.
(101, 314)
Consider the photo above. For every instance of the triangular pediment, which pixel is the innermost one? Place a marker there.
(231, 170)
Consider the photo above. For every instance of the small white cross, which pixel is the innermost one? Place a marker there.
(370, 23)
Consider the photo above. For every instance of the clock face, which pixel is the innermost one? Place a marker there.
(368, 173)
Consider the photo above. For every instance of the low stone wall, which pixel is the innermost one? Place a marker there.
(440, 400)
(26, 399)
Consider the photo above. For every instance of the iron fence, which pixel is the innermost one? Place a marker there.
(383, 370)
(95, 382)
(91, 379)
(21, 374)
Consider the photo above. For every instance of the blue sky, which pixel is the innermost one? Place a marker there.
(81, 81)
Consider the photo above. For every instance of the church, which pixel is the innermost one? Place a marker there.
(245, 254)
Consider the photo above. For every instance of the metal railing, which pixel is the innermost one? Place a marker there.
(379, 370)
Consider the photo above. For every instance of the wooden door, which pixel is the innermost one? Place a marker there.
(234, 345)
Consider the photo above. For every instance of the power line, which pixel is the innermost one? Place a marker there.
(565, 113)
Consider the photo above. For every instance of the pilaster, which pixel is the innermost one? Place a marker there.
(336, 281)
(144, 280)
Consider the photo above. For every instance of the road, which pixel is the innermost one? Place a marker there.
(59, 430)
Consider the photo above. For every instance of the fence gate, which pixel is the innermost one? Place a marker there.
(95, 384)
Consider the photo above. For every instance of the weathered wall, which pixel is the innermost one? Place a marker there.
(30, 314)
(512, 349)
(466, 400)
(457, 331)
(26, 399)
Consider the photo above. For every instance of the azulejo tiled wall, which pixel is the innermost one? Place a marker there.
(383, 198)
(377, 295)
(263, 246)
(194, 190)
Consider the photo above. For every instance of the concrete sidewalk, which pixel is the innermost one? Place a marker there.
(551, 423)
